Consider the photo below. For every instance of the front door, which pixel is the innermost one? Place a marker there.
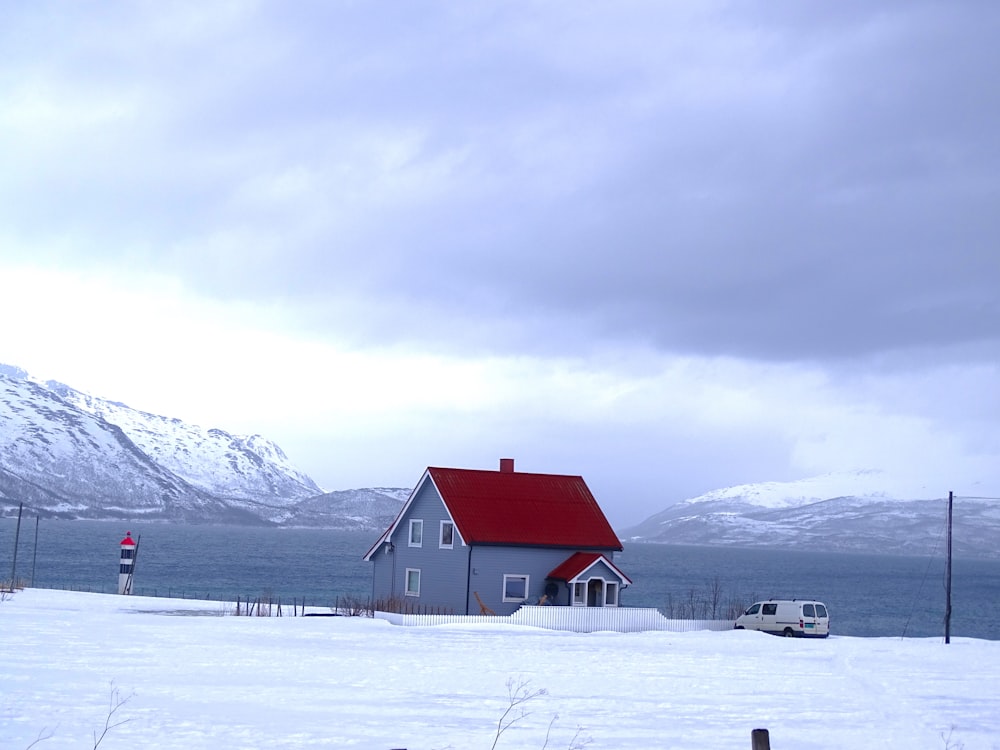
(595, 592)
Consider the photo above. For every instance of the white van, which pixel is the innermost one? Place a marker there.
(803, 618)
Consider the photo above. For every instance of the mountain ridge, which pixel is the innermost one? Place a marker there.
(68, 454)
(865, 511)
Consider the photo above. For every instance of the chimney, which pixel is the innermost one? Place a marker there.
(507, 465)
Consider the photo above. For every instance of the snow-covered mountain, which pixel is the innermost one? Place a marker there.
(68, 454)
(862, 511)
(372, 508)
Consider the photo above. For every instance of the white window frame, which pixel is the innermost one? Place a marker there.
(441, 542)
(406, 582)
(416, 523)
(609, 587)
(527, 586)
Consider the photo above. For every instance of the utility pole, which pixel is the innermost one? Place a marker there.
(947, 577)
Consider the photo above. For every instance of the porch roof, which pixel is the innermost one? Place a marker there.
(579, 563)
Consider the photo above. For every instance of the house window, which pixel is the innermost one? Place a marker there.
(413, 581)
(610, 594)
(580, 594)
(416, 533)
(447, 535)
(515, 588)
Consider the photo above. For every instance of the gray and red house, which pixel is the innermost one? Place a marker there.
(477, 542)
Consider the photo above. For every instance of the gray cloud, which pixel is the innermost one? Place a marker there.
(769, 180)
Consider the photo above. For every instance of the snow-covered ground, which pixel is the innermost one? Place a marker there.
(213, 681)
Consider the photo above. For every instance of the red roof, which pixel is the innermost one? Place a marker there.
(519, 508)
(128, 539)
(579, 562)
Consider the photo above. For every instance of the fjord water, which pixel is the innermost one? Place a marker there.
(868, 595)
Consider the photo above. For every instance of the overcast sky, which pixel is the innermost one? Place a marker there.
(668, 246)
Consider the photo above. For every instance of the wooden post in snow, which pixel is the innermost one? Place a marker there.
(17, 537)
(760, 739)
(34, 555)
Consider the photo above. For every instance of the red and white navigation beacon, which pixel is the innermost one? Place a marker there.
(126, 564)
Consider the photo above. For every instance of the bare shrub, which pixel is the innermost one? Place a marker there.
(519, 694)
(111, 721)
(714, 596)
(710, 604)
(949, 744)
(115, 702)
(353, 606)
(736, 606)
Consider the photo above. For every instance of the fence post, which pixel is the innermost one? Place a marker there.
(760, 740)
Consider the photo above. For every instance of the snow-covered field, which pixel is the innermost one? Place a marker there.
(212, 681)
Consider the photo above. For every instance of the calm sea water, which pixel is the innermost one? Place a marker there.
(868, 595)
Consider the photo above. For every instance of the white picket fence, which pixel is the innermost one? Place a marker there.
(574, 619)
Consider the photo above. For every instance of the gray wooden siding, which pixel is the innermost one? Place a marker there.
(490, 564)
(442, 571)
(601, 570)
(381, 574)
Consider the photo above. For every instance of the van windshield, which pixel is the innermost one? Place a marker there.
(753, 609)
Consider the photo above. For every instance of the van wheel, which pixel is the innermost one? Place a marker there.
(789, 633)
